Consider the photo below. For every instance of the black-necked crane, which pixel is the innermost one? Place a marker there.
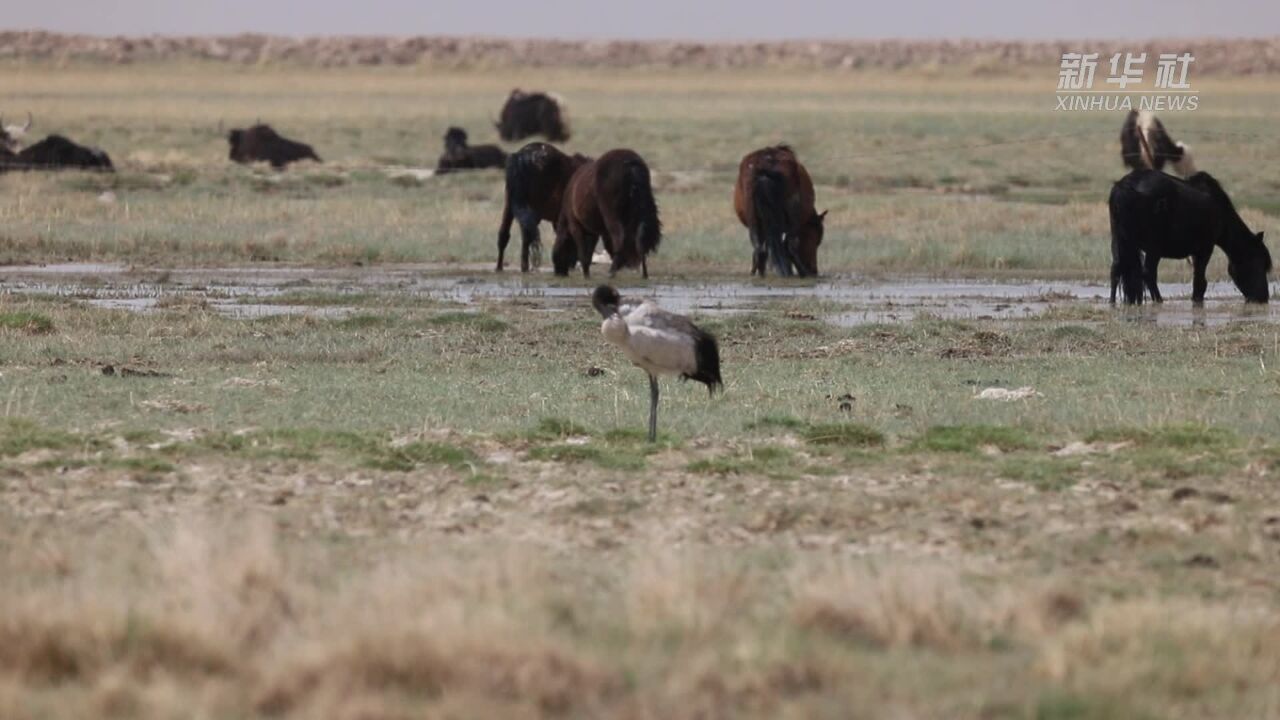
(658, 342)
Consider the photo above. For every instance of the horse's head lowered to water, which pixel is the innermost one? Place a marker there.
(1250, 267)
(1248, 260)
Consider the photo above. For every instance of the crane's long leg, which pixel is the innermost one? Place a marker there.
(653, 409)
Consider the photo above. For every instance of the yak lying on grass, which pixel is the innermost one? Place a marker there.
(537, 176)
(527, 114)
(458, 155)
(261, 143)
(56, 153)
(1155, 215)
(611, 197)
(774, 200)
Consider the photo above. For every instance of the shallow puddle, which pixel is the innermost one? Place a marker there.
(254, 292)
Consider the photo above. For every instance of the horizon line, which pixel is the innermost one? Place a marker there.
(655, 39)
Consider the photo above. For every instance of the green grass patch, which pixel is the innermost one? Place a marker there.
(717, 466)
(18, 436)
(843, 434)
(407, 457)
(608, 458)
(482, 322)
(27, 322)
(971, 438)
(768, 460)
(1183, 437)
(1046, 473)
(367, 449)
(365, 322)
(554, 428)
(141, 464)
(777, 422)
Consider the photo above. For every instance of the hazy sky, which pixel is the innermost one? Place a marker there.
(684, 19)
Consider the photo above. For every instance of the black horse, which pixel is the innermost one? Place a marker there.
(1155, 215)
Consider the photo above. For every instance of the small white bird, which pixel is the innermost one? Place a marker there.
(658, 342)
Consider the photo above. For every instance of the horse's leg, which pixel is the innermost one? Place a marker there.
(793, 250)
(1115, 279)
(621, 242)
(586, 249)
(759, 253)
(1150, 271)
(1198, 282)
(530, 242)
(504, 233)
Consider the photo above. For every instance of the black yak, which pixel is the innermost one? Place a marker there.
(1145, 144)
(537, 177)
(1155, 215)
(536, 113)
(611, 197)
(262, 143)
(458, 155)
(56, 153)
(774, 200)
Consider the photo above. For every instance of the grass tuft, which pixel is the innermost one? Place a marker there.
(777, 422)
(971, 438)
(18, 436)
(482, 322)
(554, 428)
(27, 322)
(844, 434)
(610, 459)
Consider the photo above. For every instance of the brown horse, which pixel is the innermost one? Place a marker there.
(612, 197)
(774, 199)
(537, 175)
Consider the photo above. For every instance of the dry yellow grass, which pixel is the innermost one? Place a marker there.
(224, 619)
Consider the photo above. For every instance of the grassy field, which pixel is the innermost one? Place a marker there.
(424, 509)
(923, 174)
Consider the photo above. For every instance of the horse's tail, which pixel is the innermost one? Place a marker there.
(643, 223)
(769, 197)
(1126, 250)
(521, 176)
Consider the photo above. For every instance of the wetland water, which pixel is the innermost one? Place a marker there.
(254, 292)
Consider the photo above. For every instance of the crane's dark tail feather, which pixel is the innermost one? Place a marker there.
(521, 175)
(647, 228)
(768, 194)
(1162, 146)
(1146, 145)
(1131, 144)
(707, 353)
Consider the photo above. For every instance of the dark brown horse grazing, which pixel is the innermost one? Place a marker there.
(1155, 215)
(610, 197)
(537, 176)
(774, 199)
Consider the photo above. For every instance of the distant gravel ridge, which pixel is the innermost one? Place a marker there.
(1212, 56)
